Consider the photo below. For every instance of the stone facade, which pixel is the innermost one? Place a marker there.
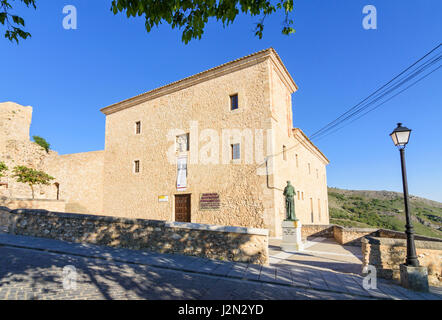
(213, 242)
(200, 105)
(144, 130)
(52, 205)
(387, 254)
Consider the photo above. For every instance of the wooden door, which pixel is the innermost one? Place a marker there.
(182, 208)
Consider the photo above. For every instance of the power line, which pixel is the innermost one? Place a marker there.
(355, 108)
(411, 76)
(387, 88)
(377, 106)
(381, 92)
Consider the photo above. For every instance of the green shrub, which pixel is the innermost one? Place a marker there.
(337, 196)
(41, 142)
(3, 168)
(31, 177)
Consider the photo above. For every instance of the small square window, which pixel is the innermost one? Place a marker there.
(182, 142)
(137, 166)
(234, 102)
(236, 151)
(138, 127)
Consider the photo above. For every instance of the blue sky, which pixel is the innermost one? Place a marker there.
(68, 75)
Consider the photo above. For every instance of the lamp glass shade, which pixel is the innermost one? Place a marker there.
(394, 138)
(400, 135)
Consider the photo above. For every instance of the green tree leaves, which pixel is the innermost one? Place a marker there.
(3, 168)
(42, 143)
(31, 177)
(192, 16)
(12, 22)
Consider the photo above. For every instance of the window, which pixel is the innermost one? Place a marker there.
(297, 162)
(317, 174)
(311, 208)
(234, 102)
(319, 209)
(236, 151)
(137, 166)
(325, 207)
(302, 195)
(284, 153)
(138, 127)
(309, 169)
(182, 143)
(299, 195)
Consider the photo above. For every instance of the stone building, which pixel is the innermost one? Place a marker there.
(215, 148)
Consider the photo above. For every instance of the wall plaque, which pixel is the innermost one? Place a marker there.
(210, 201)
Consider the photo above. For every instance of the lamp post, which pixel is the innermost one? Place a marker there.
(400, 137)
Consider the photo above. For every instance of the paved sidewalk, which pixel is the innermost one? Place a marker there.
(289, 275)
(319, 253)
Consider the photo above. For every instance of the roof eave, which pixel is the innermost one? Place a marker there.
(319, 152)
(220, 70)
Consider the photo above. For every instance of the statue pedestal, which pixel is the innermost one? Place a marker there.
(291, 236)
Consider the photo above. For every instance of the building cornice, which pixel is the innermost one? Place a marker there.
(305, 141)
(282, 72)
(218, 71)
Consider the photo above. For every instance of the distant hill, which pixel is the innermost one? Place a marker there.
(384, 209)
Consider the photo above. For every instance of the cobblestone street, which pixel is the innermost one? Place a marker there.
(31, 274)
(32, 268)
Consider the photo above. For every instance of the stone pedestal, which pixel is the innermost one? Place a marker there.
(414, 278)
(291, 236)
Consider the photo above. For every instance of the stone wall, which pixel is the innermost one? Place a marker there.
(80, 179)
(52, 205)
(4, 217)
(15, 121)
(317, 230)
(79, 176)
(385, 233)
(351, 236)
(386, 255)
(342, 235)
(24, 153)
(209, 241)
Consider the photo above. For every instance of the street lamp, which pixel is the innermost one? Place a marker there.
(400, 137)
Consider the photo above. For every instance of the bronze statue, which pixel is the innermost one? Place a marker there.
(289, 194)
